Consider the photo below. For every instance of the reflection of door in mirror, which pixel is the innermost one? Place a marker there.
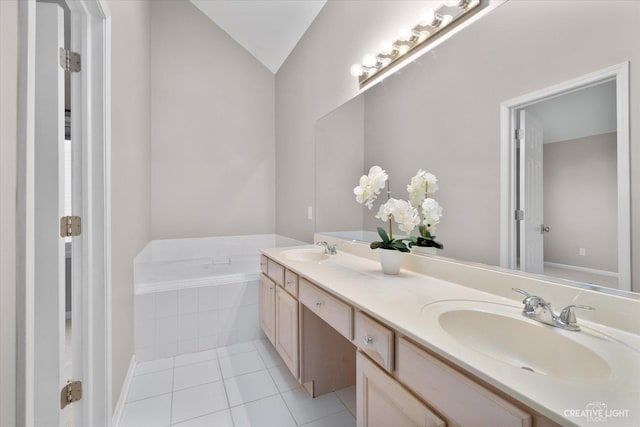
(567, 207)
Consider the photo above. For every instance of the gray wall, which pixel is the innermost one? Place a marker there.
(340, 148)
(580, 202)
(8, 147)
(460, 85)
(313, 81)
(213, 149)
(130, 168)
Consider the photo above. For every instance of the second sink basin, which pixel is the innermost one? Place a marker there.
(306, 255)
(498, 331)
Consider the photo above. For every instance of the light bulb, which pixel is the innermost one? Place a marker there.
(454, 3)
(386, 47)
(427, 18)
(405, 34)
(446, 19)
(369, 60)
(356, 70)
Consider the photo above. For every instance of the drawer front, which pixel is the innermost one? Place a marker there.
(330, 309)
(263, 264)
(461, 400)
(291, 282)
(275, 271)
(376, 340)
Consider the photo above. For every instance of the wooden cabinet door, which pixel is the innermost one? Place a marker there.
(383, 402)
(287, 329)
(267, 307)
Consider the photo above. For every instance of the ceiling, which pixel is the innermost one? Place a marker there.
(268, 29)
(585, 112)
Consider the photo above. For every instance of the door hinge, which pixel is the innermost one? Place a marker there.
(70, 226)
(69, 61)
(72, 392)
(519, 134)
(519, 215)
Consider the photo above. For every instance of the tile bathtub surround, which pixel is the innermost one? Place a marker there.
(184, 305)
(195, 319)
(229, 386)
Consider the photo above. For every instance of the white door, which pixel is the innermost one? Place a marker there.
(49, 311)
(530, 195)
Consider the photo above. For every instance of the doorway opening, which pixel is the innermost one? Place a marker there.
(565, 181)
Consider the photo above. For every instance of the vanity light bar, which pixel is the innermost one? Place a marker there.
(432, 25)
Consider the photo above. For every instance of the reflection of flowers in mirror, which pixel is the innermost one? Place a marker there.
(421, 186)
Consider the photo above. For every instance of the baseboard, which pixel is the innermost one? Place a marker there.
(117, 412)
(582, 269)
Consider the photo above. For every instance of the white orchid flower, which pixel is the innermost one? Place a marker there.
(370, 186)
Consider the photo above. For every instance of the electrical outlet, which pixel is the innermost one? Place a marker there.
(583, 252)
(309, 212)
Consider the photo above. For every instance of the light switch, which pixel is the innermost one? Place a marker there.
(309, 212)
(583, 252)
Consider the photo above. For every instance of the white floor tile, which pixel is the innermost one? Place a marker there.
(201, 356)
(270, 356)
(262, 343)
(306, 409)
(231, 350)
(347, 396)
(269, 412)
(217, 419)
(198, 401)
(241, 364)
(152, 412)
(341, 419)
(148, 385)
(153, 366)
(283, 378)
(249, 387)
(196, 374)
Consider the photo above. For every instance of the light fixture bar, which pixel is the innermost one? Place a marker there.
(432, 25)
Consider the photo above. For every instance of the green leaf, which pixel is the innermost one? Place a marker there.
(376, 245)
(383, 235)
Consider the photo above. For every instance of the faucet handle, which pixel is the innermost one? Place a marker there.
(531, 302)
(568, 316)
(521, 291)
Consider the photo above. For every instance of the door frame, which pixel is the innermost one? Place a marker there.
(91, 37)
(508, 172)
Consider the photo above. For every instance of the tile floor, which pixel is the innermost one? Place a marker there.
(240, 385)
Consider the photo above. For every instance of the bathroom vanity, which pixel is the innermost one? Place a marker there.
(445, 348)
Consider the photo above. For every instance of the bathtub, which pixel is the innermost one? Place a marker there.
(198, 294)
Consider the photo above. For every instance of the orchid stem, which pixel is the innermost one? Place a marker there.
(390, 230)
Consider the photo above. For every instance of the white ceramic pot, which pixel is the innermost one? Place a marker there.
(424, 250)
(390, 260)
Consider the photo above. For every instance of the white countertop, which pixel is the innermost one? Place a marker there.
(399, 302)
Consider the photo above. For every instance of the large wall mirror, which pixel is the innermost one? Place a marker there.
(557, 71)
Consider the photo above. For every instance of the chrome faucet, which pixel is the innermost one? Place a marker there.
(328, 249)
(540, 310)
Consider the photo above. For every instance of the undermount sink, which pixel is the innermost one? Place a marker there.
(306, 255)
(500, 332)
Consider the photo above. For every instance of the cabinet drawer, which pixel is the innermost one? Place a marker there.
(461, 400)
(291, 282)
(374, 339)
(330, 309)
(263, 264)
(275, 271)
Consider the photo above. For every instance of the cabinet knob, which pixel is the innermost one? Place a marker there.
(368, 340)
